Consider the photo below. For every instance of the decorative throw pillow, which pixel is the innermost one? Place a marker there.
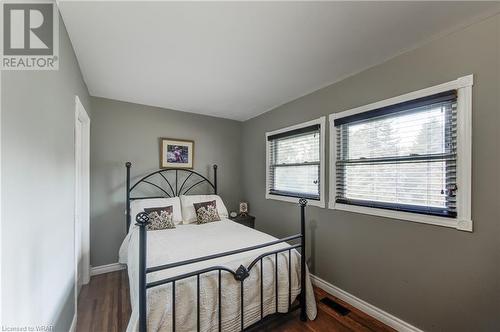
(206, 212)
(160, 218)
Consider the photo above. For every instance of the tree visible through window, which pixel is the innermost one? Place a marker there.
(401, 158)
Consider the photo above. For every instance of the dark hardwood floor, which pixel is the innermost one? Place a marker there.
(104, 305)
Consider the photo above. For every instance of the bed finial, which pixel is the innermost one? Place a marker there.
(128, 164)
(142, 218)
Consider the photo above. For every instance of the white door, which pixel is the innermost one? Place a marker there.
(82, 199)
(78, 204)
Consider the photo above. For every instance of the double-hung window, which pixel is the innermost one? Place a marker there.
(407, 158)
(295, 163)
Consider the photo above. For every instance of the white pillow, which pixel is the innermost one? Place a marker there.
(188, 212)
(138, 205)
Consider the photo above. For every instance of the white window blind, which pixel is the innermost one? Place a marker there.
(401, 157)
(294, 163)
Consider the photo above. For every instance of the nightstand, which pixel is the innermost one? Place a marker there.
(247, 220)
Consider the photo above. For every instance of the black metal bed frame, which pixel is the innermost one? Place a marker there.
(142, 220)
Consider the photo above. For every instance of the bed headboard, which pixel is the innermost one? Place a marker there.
(165, 183)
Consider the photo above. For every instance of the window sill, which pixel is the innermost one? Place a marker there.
(310, 202)
(463, 225)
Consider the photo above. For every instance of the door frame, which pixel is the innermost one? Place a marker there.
(82, 189)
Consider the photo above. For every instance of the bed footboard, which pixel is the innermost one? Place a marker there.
(142, 220)
(240, 274)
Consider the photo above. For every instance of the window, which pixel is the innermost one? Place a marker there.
(405, 158)
(295, 163)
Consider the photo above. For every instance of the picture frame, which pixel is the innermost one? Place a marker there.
(176, 153)
(243, 208)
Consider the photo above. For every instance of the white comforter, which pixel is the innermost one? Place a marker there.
(190, 241)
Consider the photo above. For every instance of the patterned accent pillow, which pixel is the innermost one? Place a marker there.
(160, 218)
(206, 212)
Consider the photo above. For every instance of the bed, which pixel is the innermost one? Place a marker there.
(189, 279)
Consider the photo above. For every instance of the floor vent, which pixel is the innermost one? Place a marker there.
(340, 309)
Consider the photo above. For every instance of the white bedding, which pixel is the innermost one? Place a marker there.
(191, 241)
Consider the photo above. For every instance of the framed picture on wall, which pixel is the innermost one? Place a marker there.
(176, 153)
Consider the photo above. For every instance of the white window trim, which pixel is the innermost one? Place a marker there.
(463, 221)
(322, 124)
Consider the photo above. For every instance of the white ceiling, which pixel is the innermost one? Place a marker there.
(239, 59)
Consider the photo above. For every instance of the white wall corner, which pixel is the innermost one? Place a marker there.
(366, 307)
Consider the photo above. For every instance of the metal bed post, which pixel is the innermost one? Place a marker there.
(142, 221)
(128, 164)
(303, 315)
(215, 179)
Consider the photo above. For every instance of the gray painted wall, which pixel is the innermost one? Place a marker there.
(438, 279)
(38, 116)
(123, 132)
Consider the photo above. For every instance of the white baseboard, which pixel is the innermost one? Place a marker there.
(95, 270)
(366, 307)
(72, 328)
